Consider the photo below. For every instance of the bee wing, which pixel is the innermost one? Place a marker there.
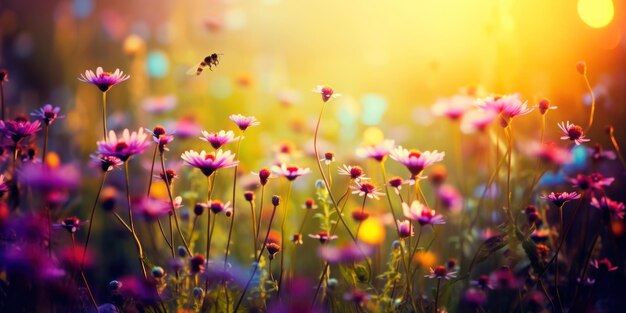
(192, 71)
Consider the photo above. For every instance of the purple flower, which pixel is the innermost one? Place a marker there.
(596, 153)
(48, 178)
(420, 213)
(151, 208)
(209, 162)
(157, 105)
(103, 80)
(416, 161)
(19, 128)
(572, 132)
(475, 297)
(48, 113)
(559, 198)
(127, 145)
(595, 181)
(243, 122)
(71, 224)
(440, 272)
(450, 198)
(218, 139)
(326, 92)
(217, 206)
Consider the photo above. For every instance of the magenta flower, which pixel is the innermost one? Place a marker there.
(243, 122)
(151, 208)
(508, 106)
(328, 158)
(614, 208)
(594, 181)
(323, 237)
(377, 152)
(217, 206)
(355, 172)
(597, 153)
(450, 198)
(106, 163)
(440, 272)
(544, 105)
(477, 120)
(218, 139)
(326, 92)
(125, 146)
(405, 228)
(264, 175)
(48, 113)
(549, 153)
(416, 161)
(420, 213)
(103, 80)
(290, 172)
(48, 179)
(366, 189)
(572, 132)
(19, 128)
(208, 163)
(559, 198)
(345, 254)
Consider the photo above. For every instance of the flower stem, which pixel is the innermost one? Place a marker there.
(258, 259)
(556, 268)
(93, 211)
(104, 114)
(132, 224)
(232, 217)
(437, 295)
(282, 238)
(593, 101)
(258, 223)
(319, 285)
(254, 232)
(617, 149)
(82, 274)
(45, 144)
(169, 193)
(326, 184)
(152, 170)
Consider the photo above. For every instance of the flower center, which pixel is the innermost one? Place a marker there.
(440, 271)
(120, 146)
(575, 132)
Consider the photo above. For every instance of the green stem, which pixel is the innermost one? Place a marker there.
(132, 224)
(282, 238)
(93, 211)
(104, 114)
(232, 217)
(169, 193)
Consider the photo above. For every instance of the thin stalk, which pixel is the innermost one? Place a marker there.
(258, 223)
(326, 184)
(82, 274)
(404, 261)
(45, 143)
(617, 149)
(282, 238)
(254, 231)
(121, 220)
(132, 224)
(556, 268)
(232, 217)
(104, 114)
(152, 170)
(593, 101)
(437, 295)
(169, 193)
(93, 211)
(258, 259)
(319, 285)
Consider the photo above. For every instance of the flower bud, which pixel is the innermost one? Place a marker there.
(275, 200)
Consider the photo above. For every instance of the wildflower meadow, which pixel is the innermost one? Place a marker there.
(190, 158)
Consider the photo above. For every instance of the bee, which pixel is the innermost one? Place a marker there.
(209, 61)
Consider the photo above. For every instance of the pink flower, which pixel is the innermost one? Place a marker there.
(377, 152)
(326, 92)
(71, 224)
(345, 254)
(453, 107)
(106, 163)
(596, 153)
(208, 163)
(48, 113)
(355, 172)
(151, 208)
(477, 120)
(217, 206)
(125, 146)
(509, 106)
(544, 105)
(218, 139)
(103, 80)
(559, 198)
(440, 272)
(290, 172)
(243, 122)
(328, 158)
(614, 208)
(450, 198)
(572, 132)
(416, 161)
(19, 128)
(420, 213)
(366, 189)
